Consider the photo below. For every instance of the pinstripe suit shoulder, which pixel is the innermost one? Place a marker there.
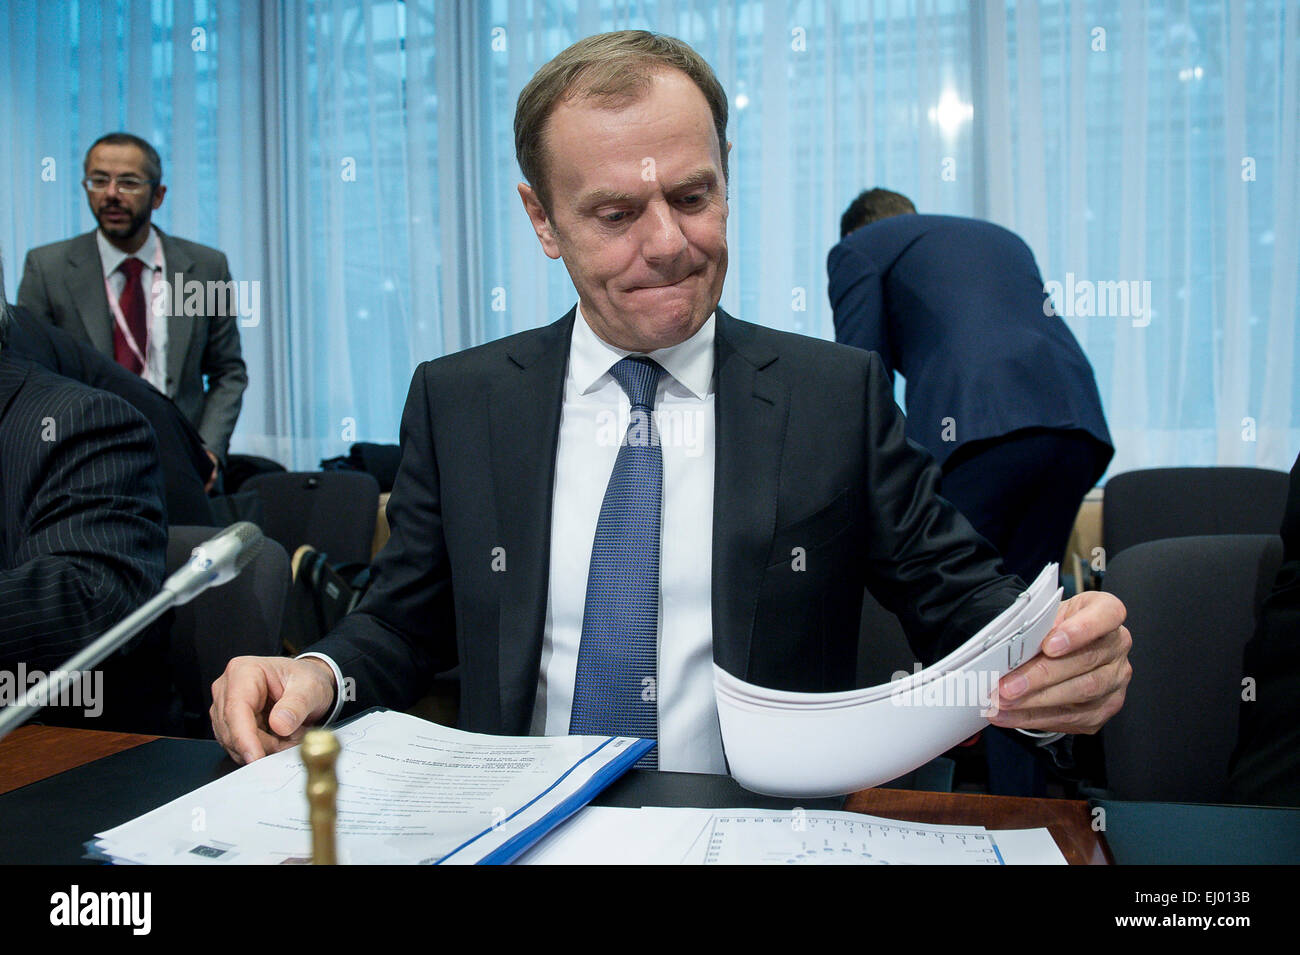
(84, 534)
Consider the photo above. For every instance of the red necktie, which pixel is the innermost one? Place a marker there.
(131, 302)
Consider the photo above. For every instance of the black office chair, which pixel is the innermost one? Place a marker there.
(238, 618)
(333, 511)
(1160, 503)
(1192, 604)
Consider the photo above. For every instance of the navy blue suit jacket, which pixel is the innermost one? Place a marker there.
(957, 307)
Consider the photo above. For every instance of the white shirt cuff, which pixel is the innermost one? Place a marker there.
(338, 683)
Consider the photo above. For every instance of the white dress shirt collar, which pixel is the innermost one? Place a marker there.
(111, 257)
(690, 363)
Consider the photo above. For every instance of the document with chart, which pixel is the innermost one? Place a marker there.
(410, 791)
(825, 744)
(840, 838)
(601, 835)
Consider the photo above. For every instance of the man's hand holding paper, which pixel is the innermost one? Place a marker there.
(1077, 682)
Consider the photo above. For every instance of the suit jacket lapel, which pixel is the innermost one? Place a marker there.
(180, 327)
(750, 420)
(85, 285)
(525, 403)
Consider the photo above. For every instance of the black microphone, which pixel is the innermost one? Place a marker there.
(214, 562)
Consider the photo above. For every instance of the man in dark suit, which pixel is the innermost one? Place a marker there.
(82, 538)
(575, 577)
(998, 390)
(118, 288)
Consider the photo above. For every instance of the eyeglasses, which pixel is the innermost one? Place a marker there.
(127, 185)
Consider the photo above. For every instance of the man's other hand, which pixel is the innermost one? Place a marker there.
(1077, 682)
(262, 705)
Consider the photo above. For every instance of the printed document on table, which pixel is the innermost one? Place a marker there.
(1028, 847)
(410, 791)
(660, 836)
(604, 835)
(827, 837)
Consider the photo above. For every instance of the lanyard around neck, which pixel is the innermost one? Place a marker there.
(119, 319)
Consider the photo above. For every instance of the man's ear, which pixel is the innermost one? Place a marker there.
(158, 193)
(540, 220)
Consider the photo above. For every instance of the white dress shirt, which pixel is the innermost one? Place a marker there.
(592, 424)
(152, 280)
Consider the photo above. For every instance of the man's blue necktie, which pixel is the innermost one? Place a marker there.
(616, 691)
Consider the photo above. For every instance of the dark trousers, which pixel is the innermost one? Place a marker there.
(1022, 493)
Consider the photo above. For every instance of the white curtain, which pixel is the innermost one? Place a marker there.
(1155, 143)
(356, 157)
(187, 76)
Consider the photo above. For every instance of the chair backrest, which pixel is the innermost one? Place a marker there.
(238, 618)
(240, 467)
(1159, 503)
(333, 511)
(1192, 604)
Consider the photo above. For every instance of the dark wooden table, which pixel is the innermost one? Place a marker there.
(33, 753)
(1068, 820)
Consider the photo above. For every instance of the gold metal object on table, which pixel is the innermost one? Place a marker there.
(320, 750)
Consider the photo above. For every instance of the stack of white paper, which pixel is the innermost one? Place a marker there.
(826, 744)
(410, 791)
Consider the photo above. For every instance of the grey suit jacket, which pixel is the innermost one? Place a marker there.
(63, 283)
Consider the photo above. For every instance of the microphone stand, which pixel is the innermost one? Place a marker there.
(16, 714)
(213, 562)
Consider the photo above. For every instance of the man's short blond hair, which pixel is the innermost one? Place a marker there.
(615, 68)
